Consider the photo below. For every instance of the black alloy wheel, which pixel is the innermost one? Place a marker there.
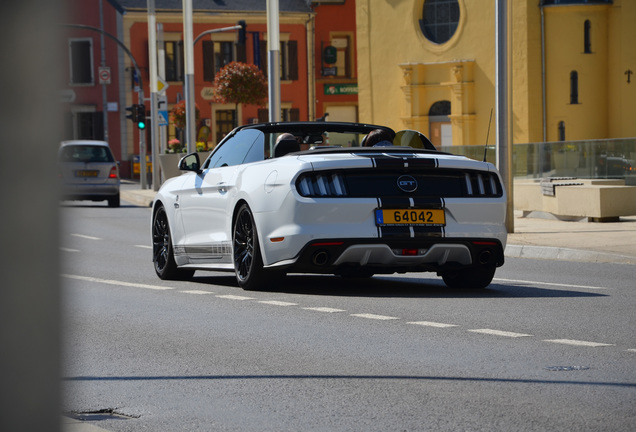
(162, 253)
(248, 263)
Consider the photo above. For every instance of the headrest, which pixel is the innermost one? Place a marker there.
(285, 146)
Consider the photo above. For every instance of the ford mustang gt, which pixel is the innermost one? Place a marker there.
(314, 197)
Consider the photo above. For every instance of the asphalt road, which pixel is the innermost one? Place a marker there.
(549, 346)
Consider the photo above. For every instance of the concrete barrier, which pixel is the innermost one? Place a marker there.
(597, 200)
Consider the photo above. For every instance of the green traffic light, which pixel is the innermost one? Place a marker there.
(141, 125)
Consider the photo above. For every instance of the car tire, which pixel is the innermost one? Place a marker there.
(248, 262)
(114, 201)
(162, 252)
(470, 278)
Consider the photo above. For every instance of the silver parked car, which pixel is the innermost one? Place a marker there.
(88, 171)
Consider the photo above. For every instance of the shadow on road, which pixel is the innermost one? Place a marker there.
(392, 287)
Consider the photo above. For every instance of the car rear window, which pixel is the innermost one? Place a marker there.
(86, 153)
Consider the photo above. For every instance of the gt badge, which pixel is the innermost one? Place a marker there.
(407, 183)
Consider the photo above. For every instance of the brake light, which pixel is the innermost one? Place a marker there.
(113, 173)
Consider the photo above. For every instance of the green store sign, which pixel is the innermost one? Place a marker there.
(341, 89)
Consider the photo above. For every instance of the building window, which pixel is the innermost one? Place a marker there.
(286, 114)
(440, 19)
(574, 87)
(174, 60)
(216, 54)
(561, 131)
(288, 60)
(587, 41)
(81, 61)
(225, 122)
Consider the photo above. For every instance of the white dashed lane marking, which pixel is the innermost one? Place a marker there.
(87, 237)
(277, 303)
(432, 324)
(324, 309)
(116, 282)
(499, 333)
(196, 292)
(578, 343)
(374, 317)
(235, 297)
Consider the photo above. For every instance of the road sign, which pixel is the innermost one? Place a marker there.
(161, 86)
(104, 75)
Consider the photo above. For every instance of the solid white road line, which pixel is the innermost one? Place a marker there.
(525, 282)
(432, 324)
(375, 317)
(116, 282)
(278, 303)
(324, 309)
(86, 236)
(578, 342)
(499, 333)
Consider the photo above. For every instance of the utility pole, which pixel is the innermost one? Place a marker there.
(154, 127)
(103, 64)
(273, 60)
(188, 46)
(503, 96)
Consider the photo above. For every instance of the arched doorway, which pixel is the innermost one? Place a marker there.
(440, 130)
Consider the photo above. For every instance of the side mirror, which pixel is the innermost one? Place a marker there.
(414, 139)
(190, 162)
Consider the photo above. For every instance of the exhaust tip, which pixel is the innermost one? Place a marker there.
(485, 256)
(320, 258)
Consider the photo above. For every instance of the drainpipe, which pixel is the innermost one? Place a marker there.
(543, 87)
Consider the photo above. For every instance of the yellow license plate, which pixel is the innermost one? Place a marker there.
(86, 173)
(434, 217)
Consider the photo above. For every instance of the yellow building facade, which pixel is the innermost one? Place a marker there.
(430, 65)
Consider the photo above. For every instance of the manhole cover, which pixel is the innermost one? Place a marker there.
(566, 368)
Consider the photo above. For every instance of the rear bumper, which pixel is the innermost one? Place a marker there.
(89, 191)
(406, 255)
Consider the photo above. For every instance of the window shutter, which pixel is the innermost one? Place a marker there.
(292, 47)
(263, 115)
(208, 60)
(264, 57)
(294, 114)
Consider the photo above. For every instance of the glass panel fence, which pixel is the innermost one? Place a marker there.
(592, 159)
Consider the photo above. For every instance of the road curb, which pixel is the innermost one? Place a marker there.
(565, 254)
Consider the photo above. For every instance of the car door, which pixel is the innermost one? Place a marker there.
(207, 198)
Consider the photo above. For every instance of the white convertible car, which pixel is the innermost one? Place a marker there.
(312, 197)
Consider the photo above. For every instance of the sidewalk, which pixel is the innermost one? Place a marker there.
(541, 236)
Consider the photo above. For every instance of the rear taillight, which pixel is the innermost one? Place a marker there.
(113, 173)
(321, 185)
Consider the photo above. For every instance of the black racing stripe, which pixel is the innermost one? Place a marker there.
(391, 163)
(395, 202)
(428, 202)
(395, 231)
(428, 231)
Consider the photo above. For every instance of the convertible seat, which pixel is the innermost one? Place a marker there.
(286, 146)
